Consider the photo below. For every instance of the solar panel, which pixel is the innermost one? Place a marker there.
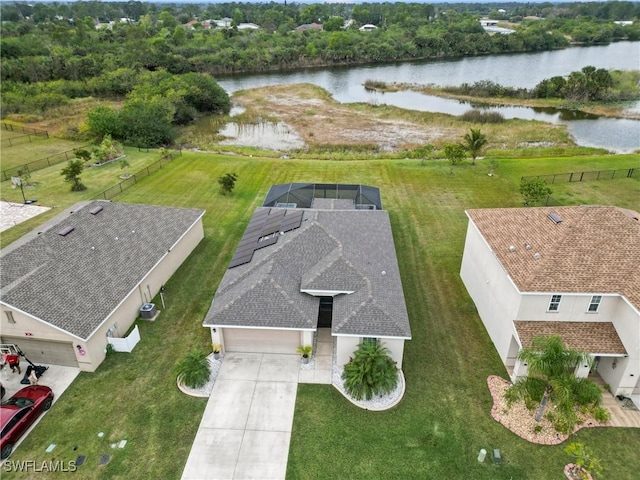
(264, 230)
(267, 241)
(291, 221)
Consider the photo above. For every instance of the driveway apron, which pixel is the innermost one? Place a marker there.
(246, 427)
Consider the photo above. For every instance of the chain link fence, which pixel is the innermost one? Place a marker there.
(118, 188)
(586, 176)
(41, 163)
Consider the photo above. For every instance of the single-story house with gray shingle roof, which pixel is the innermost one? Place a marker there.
(567, 271)
(83, 277)
(296, 270)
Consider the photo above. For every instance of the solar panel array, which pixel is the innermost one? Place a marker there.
(264, 229)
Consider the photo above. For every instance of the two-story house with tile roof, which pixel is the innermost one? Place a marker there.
(570, 271)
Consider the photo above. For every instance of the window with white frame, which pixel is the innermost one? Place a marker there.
(554, 304)
(594, 304)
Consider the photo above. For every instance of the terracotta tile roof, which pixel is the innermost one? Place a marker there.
(590, 337)
(594, 249)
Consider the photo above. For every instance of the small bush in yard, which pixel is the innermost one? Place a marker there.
(193, 369)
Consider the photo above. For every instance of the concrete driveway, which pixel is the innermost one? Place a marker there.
(246, 427)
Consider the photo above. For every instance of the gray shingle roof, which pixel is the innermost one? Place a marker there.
(75, 281)
(339, 250)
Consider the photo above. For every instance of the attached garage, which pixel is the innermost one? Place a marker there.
(45, 351)
(255, 340)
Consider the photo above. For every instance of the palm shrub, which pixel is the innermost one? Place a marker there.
(474, 142)
(551, 378)
(193, 370)
(371, 372)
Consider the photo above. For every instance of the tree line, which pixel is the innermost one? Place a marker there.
(53, 53)
(50, 42)
(586, 85)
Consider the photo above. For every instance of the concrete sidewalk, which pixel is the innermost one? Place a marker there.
(246, 427)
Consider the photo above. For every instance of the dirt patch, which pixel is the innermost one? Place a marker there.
(320, 120)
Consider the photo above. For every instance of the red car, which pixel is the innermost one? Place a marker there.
(19, 412)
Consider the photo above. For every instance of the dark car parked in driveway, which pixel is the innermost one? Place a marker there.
(19, 412)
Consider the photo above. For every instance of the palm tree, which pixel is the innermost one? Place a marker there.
(474, 141)
(371, 372)
(551, 377)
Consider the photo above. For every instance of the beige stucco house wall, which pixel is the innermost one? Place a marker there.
(492, 255)
(91, 351)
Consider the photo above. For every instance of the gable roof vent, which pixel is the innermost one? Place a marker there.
(66, 230)
(554, 217)
(96, 210)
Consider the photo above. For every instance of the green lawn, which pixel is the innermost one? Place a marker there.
(444, 419)
(50, 189)
(23, 151)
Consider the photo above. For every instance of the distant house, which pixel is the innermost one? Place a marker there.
(84, 276)
(570, 271)
(485, 22)
(309, 26)
(314, 256)
(248, 26)
(624, 23)
(367, 27)
(222, 22)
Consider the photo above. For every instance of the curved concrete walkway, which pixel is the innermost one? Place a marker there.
(246, 427)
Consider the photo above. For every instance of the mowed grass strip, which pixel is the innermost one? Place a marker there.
(444, 419)
(24, 149)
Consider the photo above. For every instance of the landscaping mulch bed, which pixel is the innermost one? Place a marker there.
(520, 420)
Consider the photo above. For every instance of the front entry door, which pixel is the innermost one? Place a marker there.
(325, 312)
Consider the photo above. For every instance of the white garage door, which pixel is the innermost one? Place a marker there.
(261, 341)
(45, 351)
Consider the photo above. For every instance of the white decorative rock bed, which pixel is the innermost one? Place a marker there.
(207, 388)
(377, 403)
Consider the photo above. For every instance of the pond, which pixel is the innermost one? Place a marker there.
(516, 70)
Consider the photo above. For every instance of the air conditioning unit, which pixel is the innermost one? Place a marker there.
(148, 311)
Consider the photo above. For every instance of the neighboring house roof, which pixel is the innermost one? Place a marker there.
(309, 26)
(590, 337)
(331, 251)
(75, 281)
(593, 249)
